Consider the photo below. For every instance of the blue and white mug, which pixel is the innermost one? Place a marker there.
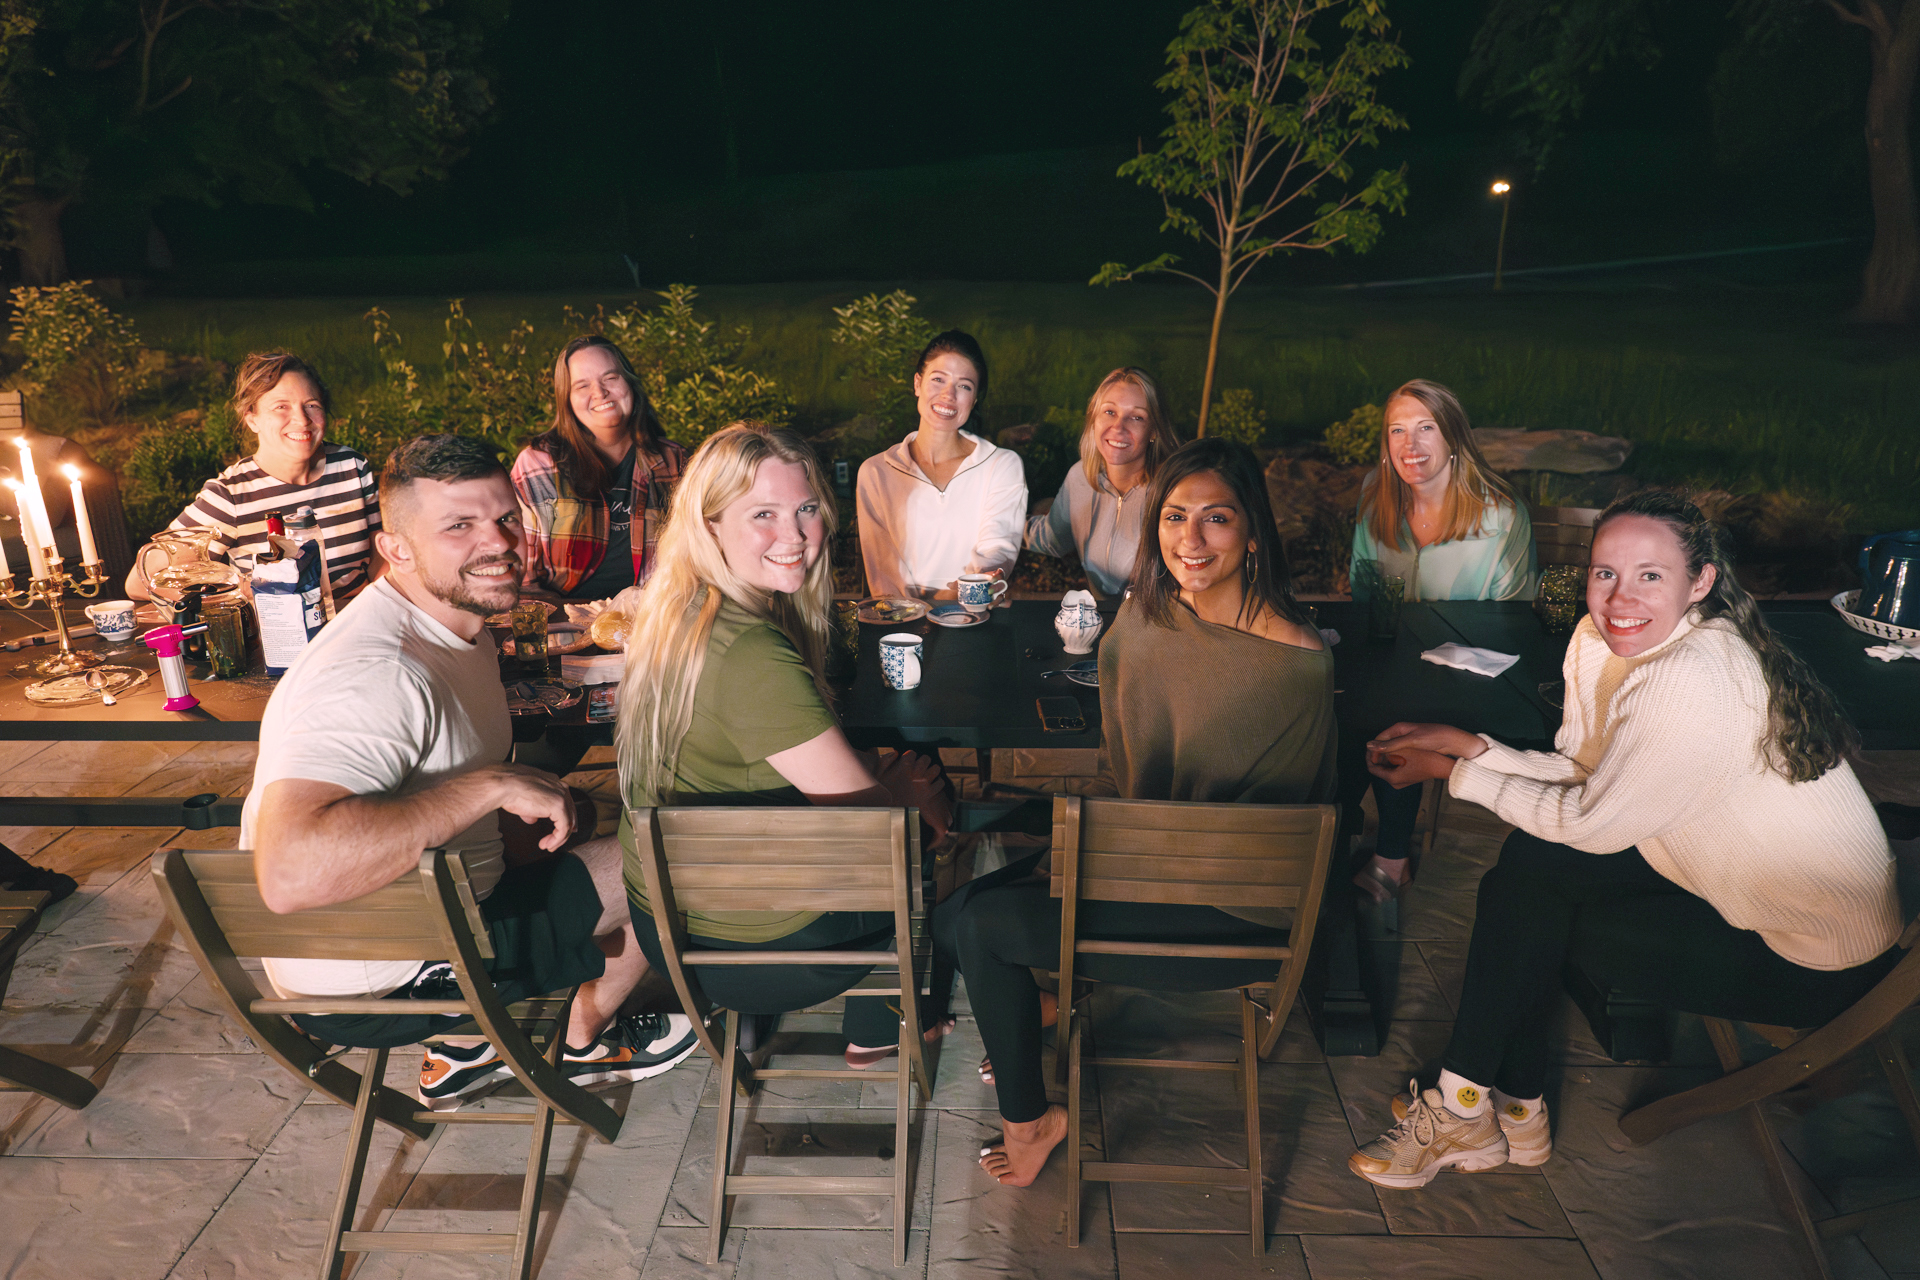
(900, 660)
(112, 620)
(978, 592)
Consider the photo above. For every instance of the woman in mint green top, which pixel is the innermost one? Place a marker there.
(1436, 516)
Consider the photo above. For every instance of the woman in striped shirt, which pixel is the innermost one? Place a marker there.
(284, 403)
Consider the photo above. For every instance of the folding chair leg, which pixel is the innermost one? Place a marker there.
(1075, 1026)
(359, 1142)
(1786, 1193)
(1250, 1092)
(723, 1142)
(1893, 1060)
(539, 1143)
(902, 1108)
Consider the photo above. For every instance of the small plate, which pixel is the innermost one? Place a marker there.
(892, 611)
(953, 615)
(1087, 673)
(542, 696)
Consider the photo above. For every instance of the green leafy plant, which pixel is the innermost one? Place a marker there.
(1249, 171)
(1237, 417)
(172, 459)
(1355, 439)
(691, 367)
(80, 349)
(885, 336)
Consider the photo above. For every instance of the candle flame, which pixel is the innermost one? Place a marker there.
(70, 471)
(1501, 188)
(11, 483)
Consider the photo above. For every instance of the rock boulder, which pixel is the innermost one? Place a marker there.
(1568, 452)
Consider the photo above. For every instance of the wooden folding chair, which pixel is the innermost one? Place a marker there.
(1215, 855)
(215, 902)
(1802, 1055)
(780, 859)
(22, 1072)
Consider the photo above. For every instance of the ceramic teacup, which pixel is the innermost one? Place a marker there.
(900, 660)
(112, 620)
(978, 592)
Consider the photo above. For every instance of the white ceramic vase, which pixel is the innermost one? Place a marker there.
(1078, 622)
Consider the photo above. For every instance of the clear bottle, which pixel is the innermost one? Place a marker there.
(303, 526)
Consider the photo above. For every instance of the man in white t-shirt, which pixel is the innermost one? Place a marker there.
(390, 734)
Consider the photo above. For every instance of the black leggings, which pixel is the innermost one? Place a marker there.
(1399, 815)
(1009, 925)
(782, 988)
(1627, 926)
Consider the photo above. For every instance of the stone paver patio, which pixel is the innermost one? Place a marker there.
(202, 1158)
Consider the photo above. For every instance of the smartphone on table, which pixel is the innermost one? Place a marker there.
(1061, 715)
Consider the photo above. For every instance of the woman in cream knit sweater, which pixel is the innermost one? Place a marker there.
(1697, 839)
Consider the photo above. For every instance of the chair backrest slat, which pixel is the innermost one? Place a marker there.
(393, 923)
(779, 859)
(1204, 855)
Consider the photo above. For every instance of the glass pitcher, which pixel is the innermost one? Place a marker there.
(188, 572)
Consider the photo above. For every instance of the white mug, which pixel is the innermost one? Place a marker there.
(112, 620)
(900, 660)
(978, 592)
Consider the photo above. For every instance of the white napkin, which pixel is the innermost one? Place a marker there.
(1898, 649)
(1482, 662)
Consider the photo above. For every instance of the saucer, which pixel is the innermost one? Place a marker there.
(1086, 673)
(953, 615)
(892, 611)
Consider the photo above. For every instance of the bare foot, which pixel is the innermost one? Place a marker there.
(1049, 1016)
(1023, 1153)
(861, 1058)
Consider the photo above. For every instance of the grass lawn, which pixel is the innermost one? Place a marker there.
(1749, 389)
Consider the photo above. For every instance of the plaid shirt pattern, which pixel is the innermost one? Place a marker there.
(566, 532)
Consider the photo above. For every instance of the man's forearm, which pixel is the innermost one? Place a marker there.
(314, 850)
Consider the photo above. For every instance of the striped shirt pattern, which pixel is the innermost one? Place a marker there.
(346, 498)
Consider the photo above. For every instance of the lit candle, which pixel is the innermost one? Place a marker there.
(36, 558)
(88, 552)
(36, 500)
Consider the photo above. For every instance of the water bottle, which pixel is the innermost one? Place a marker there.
(303, 526)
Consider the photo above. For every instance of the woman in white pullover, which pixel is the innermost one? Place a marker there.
(1697, 840)
(944, 501)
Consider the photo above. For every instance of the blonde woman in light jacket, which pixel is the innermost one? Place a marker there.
(944, 501)
(1097, 513)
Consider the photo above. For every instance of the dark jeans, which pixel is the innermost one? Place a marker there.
(1631, 928)
(541, 917)
(1009, 925)
(782, 988)
(1399, 814)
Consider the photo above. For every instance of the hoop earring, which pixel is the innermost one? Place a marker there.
(1251, 565)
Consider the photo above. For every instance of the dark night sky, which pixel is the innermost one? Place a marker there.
(641, 127)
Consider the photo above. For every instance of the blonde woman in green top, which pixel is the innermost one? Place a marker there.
(723, 702)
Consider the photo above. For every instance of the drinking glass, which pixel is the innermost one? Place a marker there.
(530, 635)
(1383, 593)
(226, 638)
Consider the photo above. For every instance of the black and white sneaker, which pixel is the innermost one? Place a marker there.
(636, 1047)
(451, 1072)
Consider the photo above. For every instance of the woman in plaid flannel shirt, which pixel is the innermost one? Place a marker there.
(594, 487)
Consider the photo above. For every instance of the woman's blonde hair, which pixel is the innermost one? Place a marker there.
(673, 618)
(1161, 440)
(1473, 489)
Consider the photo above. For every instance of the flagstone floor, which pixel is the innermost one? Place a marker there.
(201, 1158)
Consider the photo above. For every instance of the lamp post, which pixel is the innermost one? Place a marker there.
(1504, 190)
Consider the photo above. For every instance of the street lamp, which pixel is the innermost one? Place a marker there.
(1504, 190)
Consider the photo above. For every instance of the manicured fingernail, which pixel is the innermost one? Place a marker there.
(986, 1151)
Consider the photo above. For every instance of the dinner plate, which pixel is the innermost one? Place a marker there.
(892, 611)
(1087, 673)
(952, 615)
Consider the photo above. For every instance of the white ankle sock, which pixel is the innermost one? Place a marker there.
(1463, 1097)
(1518, 1110)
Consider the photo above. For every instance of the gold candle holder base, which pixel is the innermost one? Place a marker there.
(49, 591)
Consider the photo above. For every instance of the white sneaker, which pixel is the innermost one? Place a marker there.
(1530, 1141)
(1430, 1139)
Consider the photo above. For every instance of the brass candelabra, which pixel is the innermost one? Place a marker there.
(49, 591)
